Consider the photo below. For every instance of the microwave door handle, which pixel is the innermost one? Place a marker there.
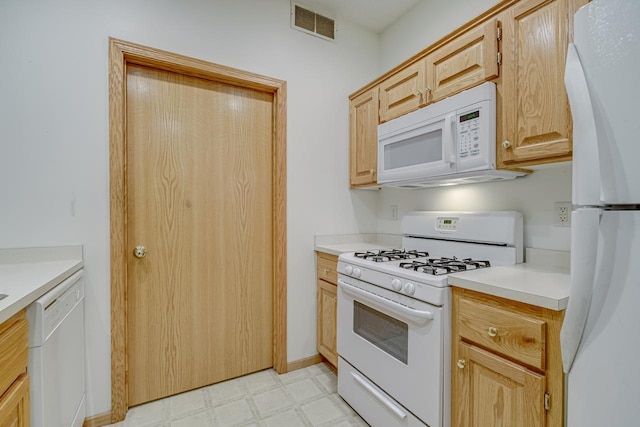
(448, 141)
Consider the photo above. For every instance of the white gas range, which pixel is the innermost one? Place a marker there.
(394, 318)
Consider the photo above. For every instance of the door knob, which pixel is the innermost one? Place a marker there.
(506, 144)
(140, 252)
(461, 363)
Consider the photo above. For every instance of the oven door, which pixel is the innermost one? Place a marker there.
(417, 150)
(397, 343)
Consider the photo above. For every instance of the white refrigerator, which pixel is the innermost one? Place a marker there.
(601, 332)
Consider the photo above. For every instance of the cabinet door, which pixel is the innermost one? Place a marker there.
(14, 349)
(363, 139)
(403, 92)
(14, 404)
(327, 316)
(492, 391)
(534, 119)
(464, 62)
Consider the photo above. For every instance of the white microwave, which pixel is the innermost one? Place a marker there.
(452, 141)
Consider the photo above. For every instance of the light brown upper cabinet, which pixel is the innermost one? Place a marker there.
(534, 121)
(363, 123)
(403, 92)
(521, 45)
(467, 60)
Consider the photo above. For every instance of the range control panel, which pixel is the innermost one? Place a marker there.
(469, 135)
(447, 223)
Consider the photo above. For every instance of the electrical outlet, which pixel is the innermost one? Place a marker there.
(562, 214)
(394, 212)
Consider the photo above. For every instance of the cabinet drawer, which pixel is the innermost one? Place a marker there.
(327, 268)
(13, 351)
(511, 334)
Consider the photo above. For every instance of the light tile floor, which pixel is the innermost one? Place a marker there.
(306, 397)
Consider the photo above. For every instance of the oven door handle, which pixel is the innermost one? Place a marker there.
(384, 303)
(379, 396)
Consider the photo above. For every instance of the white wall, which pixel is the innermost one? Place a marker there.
(534, 195)
(426, 23)
(54, 132)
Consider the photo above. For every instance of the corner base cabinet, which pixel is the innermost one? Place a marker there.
(506, 363)
(327, 291)
(14, 380)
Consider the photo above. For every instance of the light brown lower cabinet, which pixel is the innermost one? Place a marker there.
(14, 380)
(14, 404)
(506, 363)
(327, 294)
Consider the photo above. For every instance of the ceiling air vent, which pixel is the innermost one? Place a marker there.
(312, 23)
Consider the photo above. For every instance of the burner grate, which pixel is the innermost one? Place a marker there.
(390, 255)
(438, 266)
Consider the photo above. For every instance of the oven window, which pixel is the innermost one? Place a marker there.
(388, 334)
(419, 150)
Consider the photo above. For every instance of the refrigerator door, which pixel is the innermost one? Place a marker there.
(584, 248)
(586, 162)
(604, 381)
(607, 39)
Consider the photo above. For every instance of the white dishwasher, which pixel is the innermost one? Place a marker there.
(56, 355)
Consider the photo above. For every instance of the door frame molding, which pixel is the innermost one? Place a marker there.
(122, 53)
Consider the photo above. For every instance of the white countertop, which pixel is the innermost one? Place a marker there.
(529, 283)
(543, 281)
(27, 274)
(336, 244)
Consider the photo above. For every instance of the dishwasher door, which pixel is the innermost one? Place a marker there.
(56, 355)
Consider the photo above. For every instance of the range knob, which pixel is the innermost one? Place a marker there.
(348, 269)
(409, 289)
(357, 273)
(396, 284)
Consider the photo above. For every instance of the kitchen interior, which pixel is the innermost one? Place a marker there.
(542, 323)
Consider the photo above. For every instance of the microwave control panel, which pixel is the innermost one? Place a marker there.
(469, 135)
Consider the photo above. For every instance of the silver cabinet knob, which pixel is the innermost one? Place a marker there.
(461, 363)
(506, 144)
(140, 252)
(493, 331)
(372, 171)
(427, 89)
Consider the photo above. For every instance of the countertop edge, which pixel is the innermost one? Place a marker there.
(22, 302)
(555, 304)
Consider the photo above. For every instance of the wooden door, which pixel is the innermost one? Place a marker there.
(363, 138)
(464, 62)
(403, 92)
(199, 197)
(495, 392)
